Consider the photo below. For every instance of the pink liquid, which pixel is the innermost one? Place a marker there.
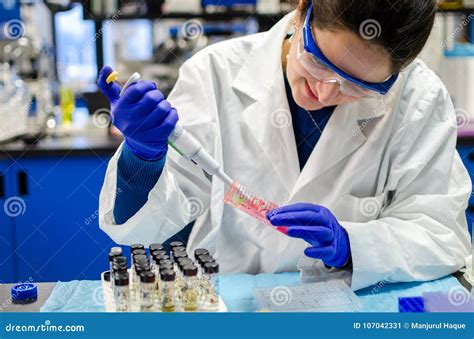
(242, 199)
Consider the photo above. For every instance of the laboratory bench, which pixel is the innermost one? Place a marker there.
(85, 295)
(49, 198)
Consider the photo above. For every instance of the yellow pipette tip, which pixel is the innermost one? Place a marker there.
(112, 77)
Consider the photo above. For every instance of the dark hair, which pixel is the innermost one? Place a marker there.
(401, 27)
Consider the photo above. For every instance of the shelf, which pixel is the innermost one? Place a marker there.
(224, 16)
(465, 11)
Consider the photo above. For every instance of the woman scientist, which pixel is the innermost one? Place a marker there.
(329, 114)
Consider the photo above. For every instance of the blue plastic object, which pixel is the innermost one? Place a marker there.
(411, 304)
(24, 293)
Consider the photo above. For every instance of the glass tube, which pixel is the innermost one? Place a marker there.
(168, 301)
(211, 278)
(122, 292)
(147, 291)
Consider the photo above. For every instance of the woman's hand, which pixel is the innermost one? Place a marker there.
(142, 114)
(317, 226)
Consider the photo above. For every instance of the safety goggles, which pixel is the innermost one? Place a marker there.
(322, 69)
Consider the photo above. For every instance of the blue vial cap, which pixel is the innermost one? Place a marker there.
(24, 293)
(411, 304)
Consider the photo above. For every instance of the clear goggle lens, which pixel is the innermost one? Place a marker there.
(322, 73)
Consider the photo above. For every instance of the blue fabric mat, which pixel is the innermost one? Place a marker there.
(236, 291)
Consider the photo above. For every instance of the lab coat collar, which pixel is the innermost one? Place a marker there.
(263, 64)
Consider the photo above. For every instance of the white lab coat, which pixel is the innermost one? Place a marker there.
(387, 169)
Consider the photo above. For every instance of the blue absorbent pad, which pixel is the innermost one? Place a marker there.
(236, 291)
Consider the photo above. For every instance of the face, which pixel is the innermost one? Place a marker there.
(348, 52)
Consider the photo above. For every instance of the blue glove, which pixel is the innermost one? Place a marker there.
(317, 226)
(142, 115)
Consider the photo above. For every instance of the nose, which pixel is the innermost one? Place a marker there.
(326, 91)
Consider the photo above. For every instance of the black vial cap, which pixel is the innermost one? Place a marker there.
(200, 251)
(158, 259)
(165, 267)
(140, 258)
(137, 247)
(138, 251)
(179, 249)
(120, 259)
(190, 270)
(174, 244)
(121, 279)
(113, 255)
(155, 247)
(179, 254)
(158, 253)
(184, 261)
(166, 262)
(203, 259)
(167, 275)
(211, 267)
(122, 267)
(147, 277)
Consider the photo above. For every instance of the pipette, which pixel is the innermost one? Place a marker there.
(182, 141)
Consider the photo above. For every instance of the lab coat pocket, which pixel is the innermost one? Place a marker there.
(354, 209)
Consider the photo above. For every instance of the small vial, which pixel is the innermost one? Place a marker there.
(174, 244)
(155, 247)
(147, 291)
(114, 252)
(200, 251)
(168, 302)
(133, 248)
(184, 262)
(135, 289)
(122, 292)
(211, 278)
(190, 293)
(158, 252)
(204, 259)
(160, 257)
(179, 249)
(115, 260)
(179, 254)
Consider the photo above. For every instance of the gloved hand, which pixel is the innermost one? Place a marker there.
(142, 115)
(317, 226)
